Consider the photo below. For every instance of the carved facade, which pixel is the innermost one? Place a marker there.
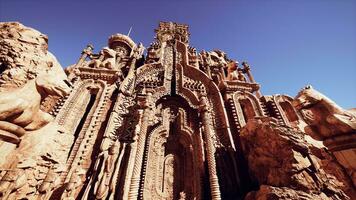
(164, 124)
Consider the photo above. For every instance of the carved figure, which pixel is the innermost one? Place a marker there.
(182, 196)
(20, 108)
(105, 59)
(325, 117)
(232, 71)
(109, 58)
(106, 171)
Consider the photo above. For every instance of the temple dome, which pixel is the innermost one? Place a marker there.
(117, 38)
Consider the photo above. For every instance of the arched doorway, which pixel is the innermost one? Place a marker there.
(173, 164)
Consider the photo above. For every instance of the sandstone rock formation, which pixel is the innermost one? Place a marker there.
(32, 82)
(171, 124)
(24, 54)
(328, 122)
(288, 167)
(324, 117)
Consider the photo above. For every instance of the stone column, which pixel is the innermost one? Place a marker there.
(210, 149)
(136, 173)
(87, 51)
(250, 77)
(132, 154)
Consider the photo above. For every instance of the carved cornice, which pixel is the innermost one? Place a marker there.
(111, 76)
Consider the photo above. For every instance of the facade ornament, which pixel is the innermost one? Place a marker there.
(104, 176)
(163, 125)
(208, 133)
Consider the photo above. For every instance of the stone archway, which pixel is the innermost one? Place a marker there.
(172, 168)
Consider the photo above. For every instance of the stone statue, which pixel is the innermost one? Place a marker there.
(323, 116)
(232, 71)
(103, 169)
(106, 59)
(182, 196)
(75, 181)
(20, 108)
(240, 75)
(106, 171)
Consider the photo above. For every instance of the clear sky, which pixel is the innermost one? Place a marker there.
(288, 44)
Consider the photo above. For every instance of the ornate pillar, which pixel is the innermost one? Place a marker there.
(136, 173)
(210, 148)
(246, 69)
(87, 51)
(132, 158)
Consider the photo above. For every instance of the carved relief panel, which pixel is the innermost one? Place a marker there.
(173, 165)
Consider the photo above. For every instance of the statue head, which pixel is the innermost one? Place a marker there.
(49, 84)
(307, 97)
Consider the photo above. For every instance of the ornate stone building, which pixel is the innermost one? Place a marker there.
(171, 123)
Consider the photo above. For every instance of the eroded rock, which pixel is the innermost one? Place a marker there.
(31, 83)
(282, 159)
(23, 55)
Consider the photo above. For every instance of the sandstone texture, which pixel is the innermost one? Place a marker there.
(171, 123)
(23, 55)
(32, 82)
(287, 166)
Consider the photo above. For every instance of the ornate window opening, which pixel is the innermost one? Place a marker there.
(289, 111)
(247, 109)
(93, 94)
(172, 165)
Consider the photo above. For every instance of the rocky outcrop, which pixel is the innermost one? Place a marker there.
(23, 55)
(33, 150)
(324, 117)
(328, 122)
(31, 81)
(287, 166)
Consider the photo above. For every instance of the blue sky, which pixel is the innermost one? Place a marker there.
(288, 44)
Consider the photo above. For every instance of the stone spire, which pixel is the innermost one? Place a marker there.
(170, 30)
